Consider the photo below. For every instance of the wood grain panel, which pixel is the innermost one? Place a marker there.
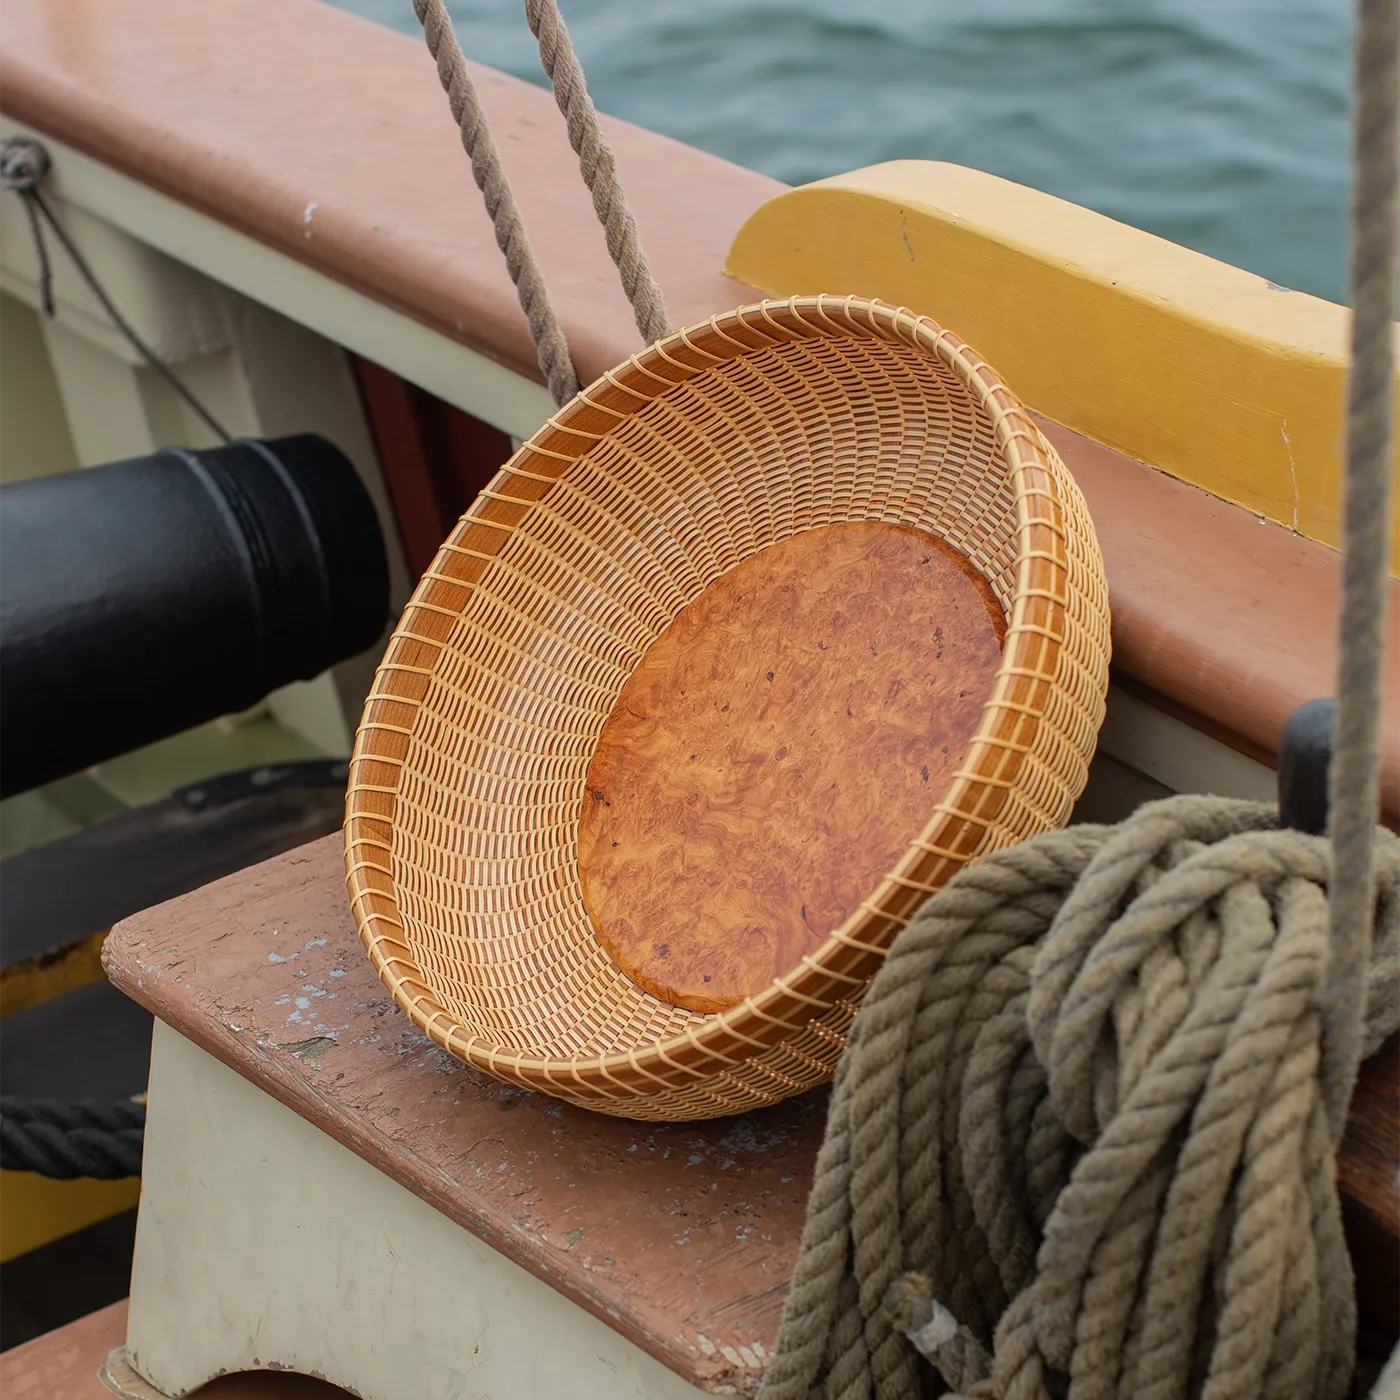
(775, 752)
(1368, 1176)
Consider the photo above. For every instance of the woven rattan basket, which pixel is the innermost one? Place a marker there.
(469, 769)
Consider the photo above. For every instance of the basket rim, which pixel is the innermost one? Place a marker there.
(961, 823)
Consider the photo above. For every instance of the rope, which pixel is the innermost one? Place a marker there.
(1355, 776)
(64, 1140)
(462, 98)
(598, 167)
(24, 163)
(1079, 1136)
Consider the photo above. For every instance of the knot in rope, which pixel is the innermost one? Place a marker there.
(1082, 1138)
(23, 164)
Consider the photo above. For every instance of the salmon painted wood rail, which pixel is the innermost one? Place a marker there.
(679, 1237)
(307, 175)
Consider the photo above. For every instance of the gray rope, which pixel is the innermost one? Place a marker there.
(1091, 1145)
(598, 166)
(550, 345)
(1355, 776)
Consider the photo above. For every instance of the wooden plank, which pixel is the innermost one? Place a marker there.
(35, 1210)
(681, 1236)
(1368, 1175)
(64, 1365)
(435, 457)
(34, 980)
(54, 897)
(394, 425)
(265, 1243)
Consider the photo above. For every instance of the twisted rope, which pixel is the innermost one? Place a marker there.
(1080, 1135)
(598, 167)
(1355, 776)
(550, 345)
(596, 162)
(64, 1140)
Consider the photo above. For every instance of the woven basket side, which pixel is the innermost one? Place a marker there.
(688, 486)
(470, 766)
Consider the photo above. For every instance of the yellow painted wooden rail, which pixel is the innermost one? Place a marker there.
(1201, 369)
(51, 974)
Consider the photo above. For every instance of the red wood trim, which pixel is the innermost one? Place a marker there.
(435, 457)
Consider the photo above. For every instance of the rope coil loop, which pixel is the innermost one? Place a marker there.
(1080, 1136)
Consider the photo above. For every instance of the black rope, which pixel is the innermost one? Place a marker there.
(65, 1139)
(24, 163)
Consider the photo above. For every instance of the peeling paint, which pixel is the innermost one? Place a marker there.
(310, 1049)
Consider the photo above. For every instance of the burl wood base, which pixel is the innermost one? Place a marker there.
(776, 751)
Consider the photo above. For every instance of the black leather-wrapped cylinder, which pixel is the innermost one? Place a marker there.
(143, 597)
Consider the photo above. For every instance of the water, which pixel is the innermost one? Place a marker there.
(1219, 124)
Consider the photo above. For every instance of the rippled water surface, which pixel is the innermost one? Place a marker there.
(1216, 123)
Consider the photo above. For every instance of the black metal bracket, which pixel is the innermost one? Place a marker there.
(1304, 766)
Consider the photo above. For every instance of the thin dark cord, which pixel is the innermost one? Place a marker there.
(23, 164)
(41, 252)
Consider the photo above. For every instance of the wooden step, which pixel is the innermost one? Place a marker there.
(64, 1365)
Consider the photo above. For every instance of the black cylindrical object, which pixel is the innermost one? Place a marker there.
(143, 597)
(1305, 767)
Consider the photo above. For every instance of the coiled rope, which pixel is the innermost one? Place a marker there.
(1080, 1127)
(596, 163)
(1082, 1141)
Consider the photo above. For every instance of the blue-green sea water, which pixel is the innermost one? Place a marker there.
(1220, 124)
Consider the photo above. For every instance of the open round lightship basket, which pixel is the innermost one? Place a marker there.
(471, 765)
